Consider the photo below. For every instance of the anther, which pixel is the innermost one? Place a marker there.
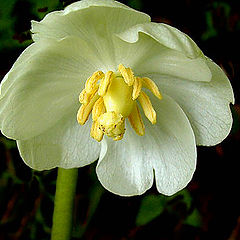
(147, 107)
(98, 109)
(149, 84)
(85, 110)
(136, 121)
(137, 87)
(82, 96)
(127, 74)
(96, 132)
(92, 81)
(85, 97)
(105, 82)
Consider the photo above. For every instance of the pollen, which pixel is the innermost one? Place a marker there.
(113, 98)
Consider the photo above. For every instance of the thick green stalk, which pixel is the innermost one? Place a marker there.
(63, 204)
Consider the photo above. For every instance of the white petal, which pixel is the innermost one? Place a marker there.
(83, 4)
(166, 35)
(66, 145)
(147, 55)
(43, 85)
(171, 146)
(205, 103)
(94, 21)
(88, 18)
(125, 167)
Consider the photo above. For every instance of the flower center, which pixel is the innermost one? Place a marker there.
(112, 97)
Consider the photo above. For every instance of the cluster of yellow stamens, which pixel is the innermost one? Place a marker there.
(111, 97)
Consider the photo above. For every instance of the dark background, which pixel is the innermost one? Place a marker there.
(209, 208)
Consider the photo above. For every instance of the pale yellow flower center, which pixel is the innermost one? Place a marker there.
(112, 97)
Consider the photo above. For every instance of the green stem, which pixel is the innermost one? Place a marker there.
(63, 204)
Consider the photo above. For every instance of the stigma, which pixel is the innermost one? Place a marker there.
(113, 97)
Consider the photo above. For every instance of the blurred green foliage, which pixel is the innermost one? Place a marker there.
(151, 207)
(7, 31)
(15, 19)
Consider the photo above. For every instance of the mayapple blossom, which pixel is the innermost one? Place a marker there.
(148, 96)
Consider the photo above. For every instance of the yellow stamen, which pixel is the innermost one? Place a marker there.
(96, 132)
(137, 87)
(136, 121)
(147, 107)
(92, 81)
(127, 74)
(149, 84)
(105, 83)
(111, 98)
(85, 97)
(98, 109)
(82, 96)
(85, 110)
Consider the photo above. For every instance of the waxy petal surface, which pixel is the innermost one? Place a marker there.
(167, 148)
(166, 35)
(94, 21)
(65, 145)
(43, 85)
(206, 104)
(147, 55)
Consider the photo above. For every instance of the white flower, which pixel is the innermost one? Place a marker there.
(39, 98)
